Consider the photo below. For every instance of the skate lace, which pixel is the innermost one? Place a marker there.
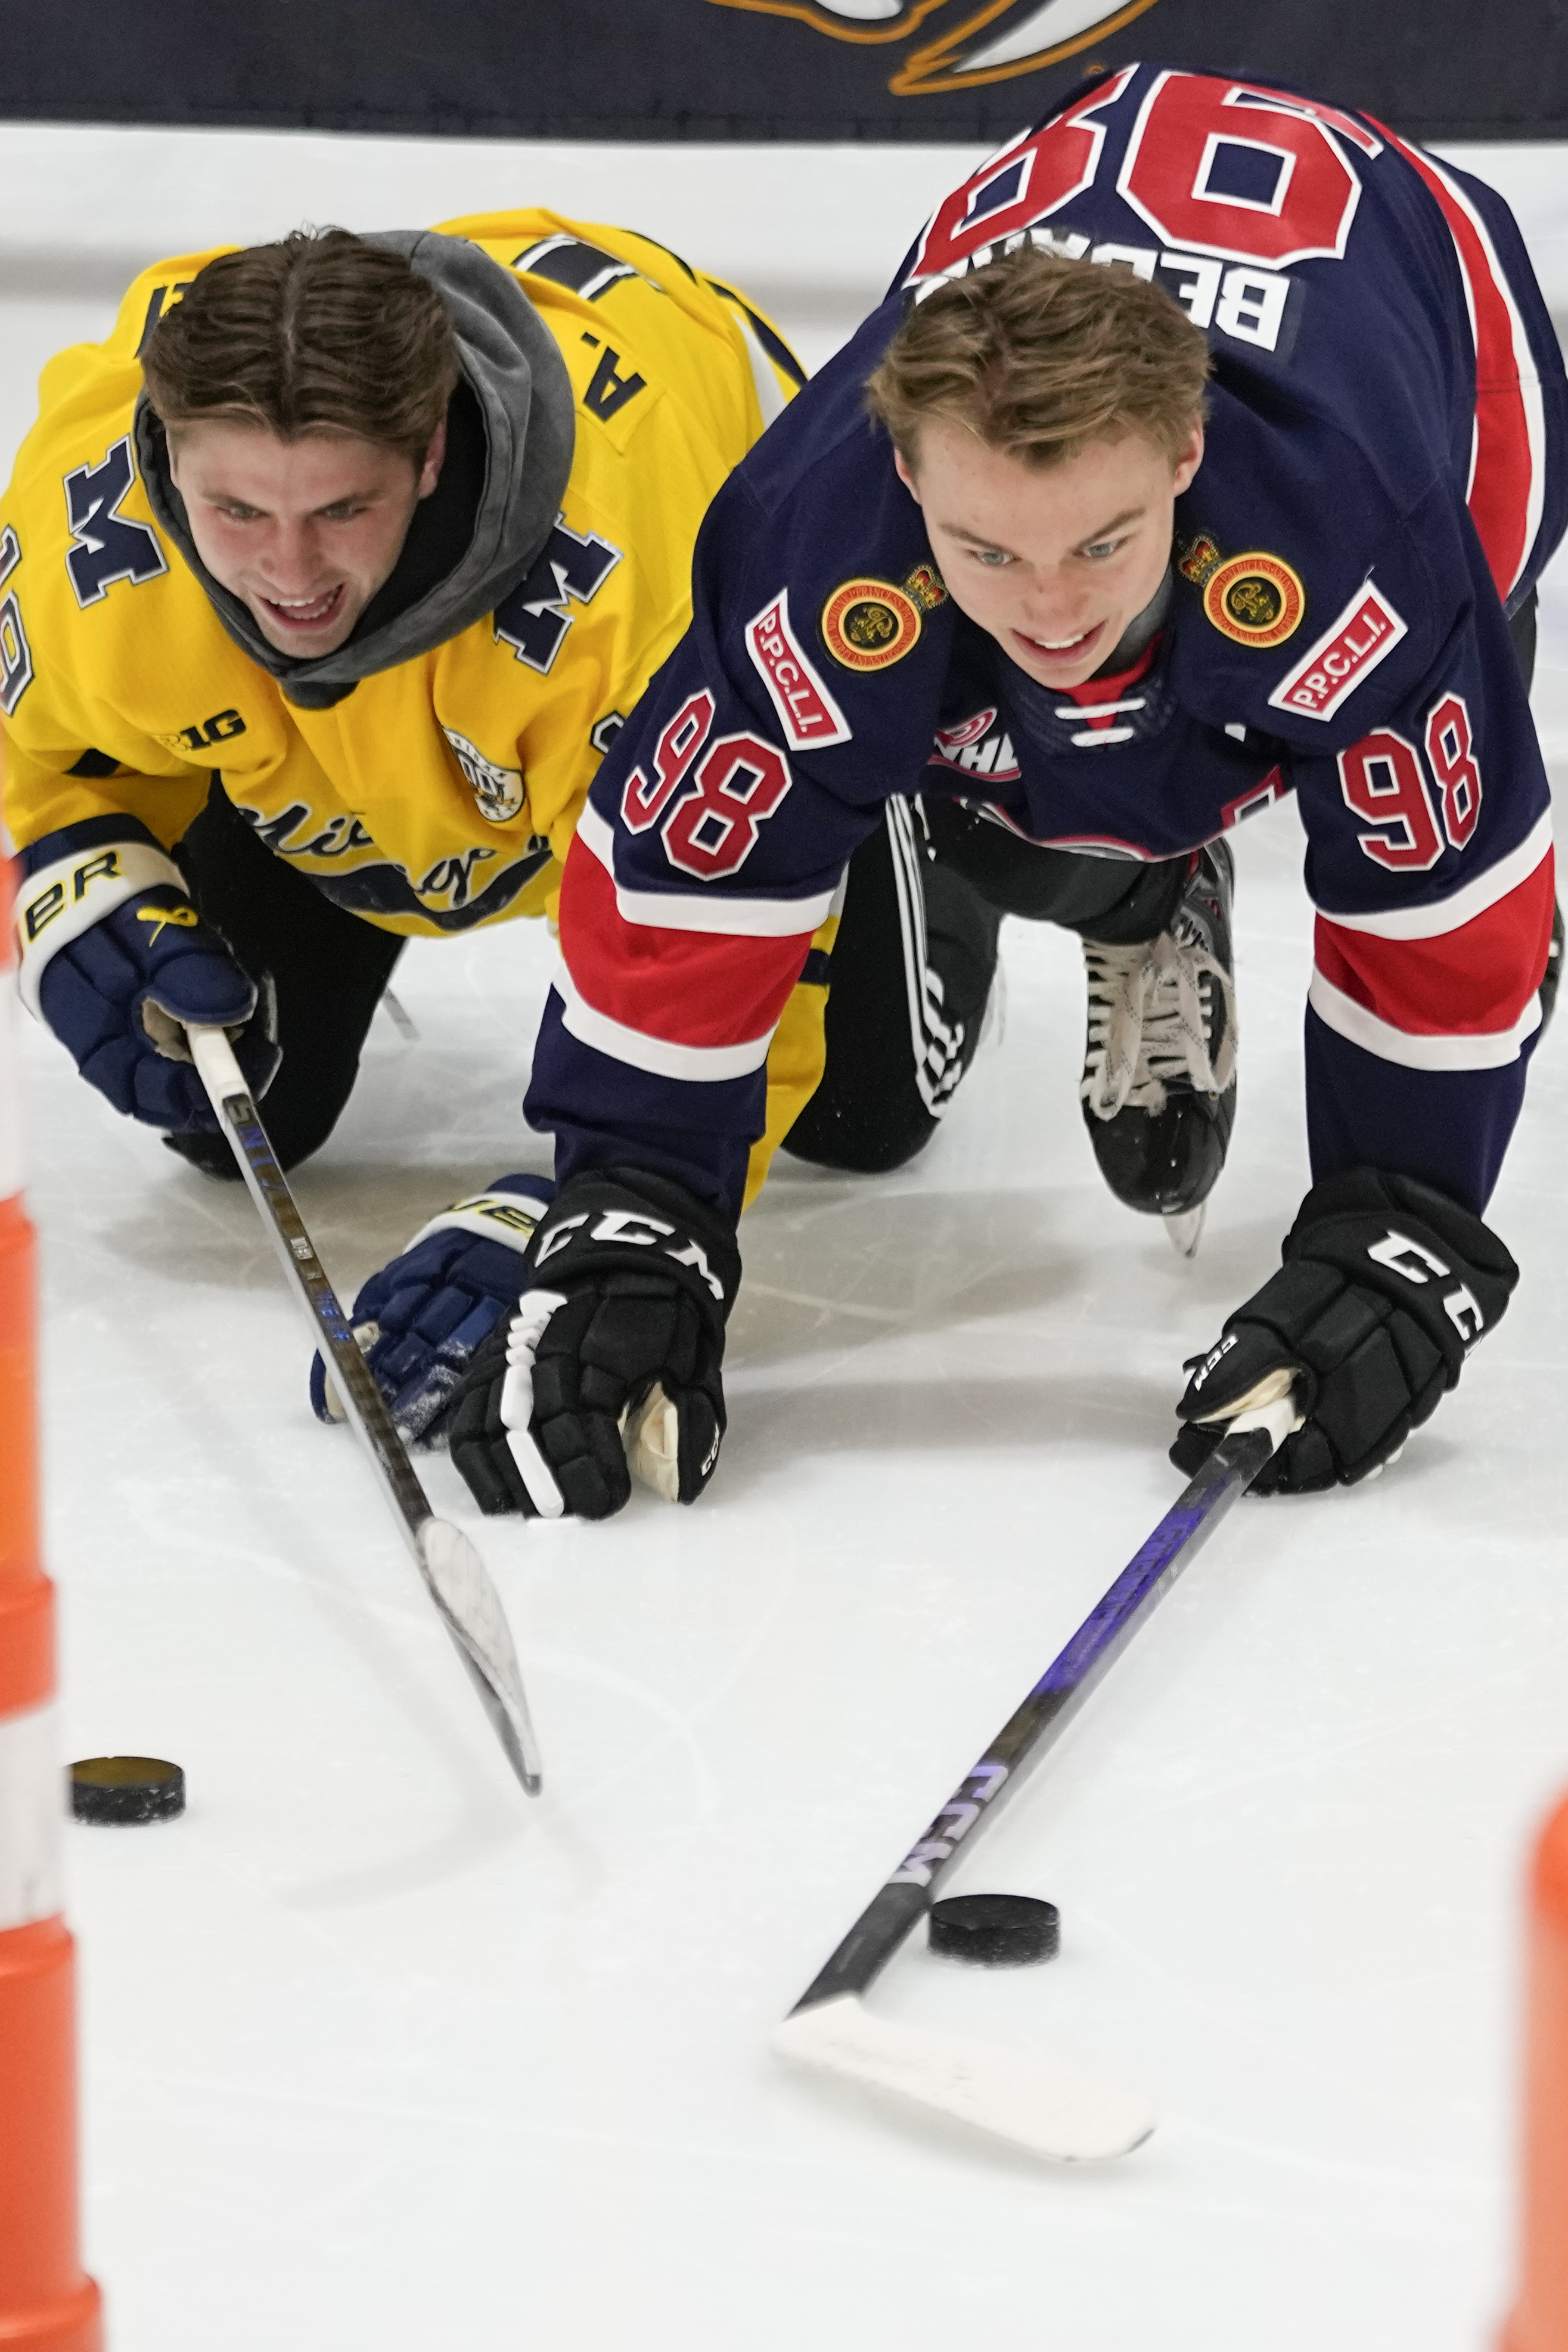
(1152, 1022)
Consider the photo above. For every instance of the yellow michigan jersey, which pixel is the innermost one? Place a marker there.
(441, 793)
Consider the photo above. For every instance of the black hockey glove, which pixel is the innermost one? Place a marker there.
(1386, 1287)
(612, 1360)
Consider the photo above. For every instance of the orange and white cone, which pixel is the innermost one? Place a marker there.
(1541, 2315)
(1539, 2321)
(47, 2303)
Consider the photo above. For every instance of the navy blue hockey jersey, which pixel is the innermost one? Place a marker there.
(1383, 480)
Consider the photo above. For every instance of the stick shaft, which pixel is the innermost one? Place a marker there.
(448, 1564)
(1044, 1715)
(329, 1324)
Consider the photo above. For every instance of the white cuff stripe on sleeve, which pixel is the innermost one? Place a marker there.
(1482, 1051)
(702, 1064)
(1461, 905)
(58, 904)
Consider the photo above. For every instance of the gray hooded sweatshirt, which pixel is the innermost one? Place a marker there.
(510, 435)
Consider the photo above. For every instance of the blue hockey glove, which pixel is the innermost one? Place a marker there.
(420, 1319)
(116, 960)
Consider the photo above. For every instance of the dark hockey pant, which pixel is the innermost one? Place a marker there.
(330, 969)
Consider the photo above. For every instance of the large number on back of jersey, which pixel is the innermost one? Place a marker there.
(1220, 167)
(1213, 166)
(1025, 183)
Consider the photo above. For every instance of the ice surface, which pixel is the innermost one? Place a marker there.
(376, 2053)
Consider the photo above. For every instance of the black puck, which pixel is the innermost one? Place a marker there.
(997, 1931)
(127, 1789)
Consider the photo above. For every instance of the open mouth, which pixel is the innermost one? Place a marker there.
(304, 612)
(1062, 649)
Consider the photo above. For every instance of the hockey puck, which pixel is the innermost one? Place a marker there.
(127, 1789)
(996, 1931)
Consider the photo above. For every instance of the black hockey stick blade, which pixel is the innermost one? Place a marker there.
(455, 1576)
(1030, 2100)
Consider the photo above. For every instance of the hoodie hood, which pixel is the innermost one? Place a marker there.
(511, 432)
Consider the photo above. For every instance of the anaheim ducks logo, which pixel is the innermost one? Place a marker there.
(994, 42)
(870, 624)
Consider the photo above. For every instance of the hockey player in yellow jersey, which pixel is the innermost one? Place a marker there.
(324, 583)
(419, 761)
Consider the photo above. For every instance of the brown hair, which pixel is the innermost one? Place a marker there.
(1037, 355)
(318, 333)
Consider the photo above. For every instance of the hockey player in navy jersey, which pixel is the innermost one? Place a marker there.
(1039, 617)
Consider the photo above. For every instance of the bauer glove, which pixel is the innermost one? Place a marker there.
(420, 1319)
(613, 1361)
(118, 991)
(1386, 1287)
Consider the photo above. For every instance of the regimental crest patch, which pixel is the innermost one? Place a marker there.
(869, 625)
(1255, 600)
(498, 791)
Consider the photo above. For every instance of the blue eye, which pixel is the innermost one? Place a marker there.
(1101, 549)
(994, 556)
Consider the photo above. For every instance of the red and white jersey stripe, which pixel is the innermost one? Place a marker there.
(1448, 986)
(1507, 488)
(672, 983)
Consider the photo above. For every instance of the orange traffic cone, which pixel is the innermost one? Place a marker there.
(1539, 2321)
(46, 2301)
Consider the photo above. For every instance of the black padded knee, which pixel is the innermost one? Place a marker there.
(329, 970)
(911, 972)
(1115, 900)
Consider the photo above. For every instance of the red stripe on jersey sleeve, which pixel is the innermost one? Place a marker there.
(690, 988)
(1475, 980)
(1498, 497)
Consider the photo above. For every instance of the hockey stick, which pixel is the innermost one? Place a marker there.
(455, 1577)
(1034, 2101)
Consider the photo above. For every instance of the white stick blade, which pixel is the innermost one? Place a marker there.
(1027, 2097)
(461, 1586)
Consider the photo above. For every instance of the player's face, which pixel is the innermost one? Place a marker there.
(1053, 562)
(303, 532)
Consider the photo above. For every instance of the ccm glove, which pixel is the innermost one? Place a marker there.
(420, 1319)
(1386, 1287)
(613, 1361)
(117, 960)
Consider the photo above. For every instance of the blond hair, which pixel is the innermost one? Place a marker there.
(1039, 356)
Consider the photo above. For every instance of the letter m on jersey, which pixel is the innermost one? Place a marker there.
(570, 569)
(106, 546)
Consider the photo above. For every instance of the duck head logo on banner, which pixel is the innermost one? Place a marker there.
(961, 45)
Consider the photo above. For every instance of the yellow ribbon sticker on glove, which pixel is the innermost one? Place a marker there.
(186, 917)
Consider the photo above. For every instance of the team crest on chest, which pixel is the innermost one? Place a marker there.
(869, 624)
(1254, 599)
(498, 792)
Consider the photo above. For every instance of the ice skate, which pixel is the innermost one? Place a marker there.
(1159, 1069)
